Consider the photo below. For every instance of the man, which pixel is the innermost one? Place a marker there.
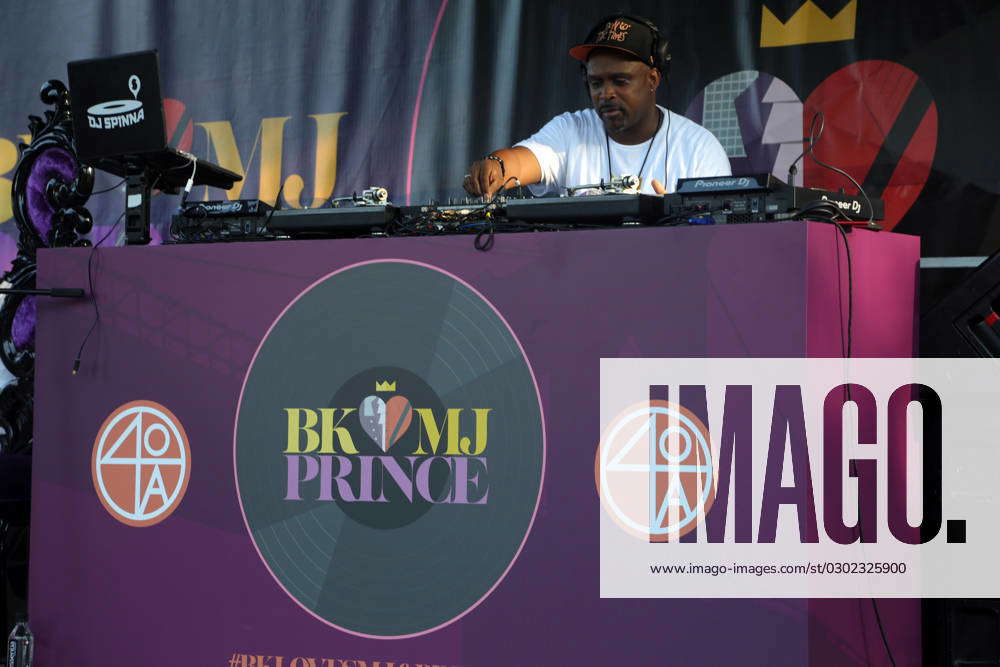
(626, 133)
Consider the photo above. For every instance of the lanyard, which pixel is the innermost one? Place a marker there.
(607, 142)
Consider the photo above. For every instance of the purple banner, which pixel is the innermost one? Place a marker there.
(274, 342)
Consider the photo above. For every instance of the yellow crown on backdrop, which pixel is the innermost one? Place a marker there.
(385, 386)
(808, 25)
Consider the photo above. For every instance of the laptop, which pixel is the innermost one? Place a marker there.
(118, 117)
(117, 105)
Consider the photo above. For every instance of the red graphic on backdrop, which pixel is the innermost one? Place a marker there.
(881, 127)
(180, 128)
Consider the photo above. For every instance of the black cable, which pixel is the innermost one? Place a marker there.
(881, 630)
(813, 140)
(277, 205)
(113, 187)
(406, 226)
(652, 140)
(666, 148)
(826, 210)
(814, 137)
(832, 211)
(484, 239)
(435, 221)
(850, 325)
(497, 194)
(682, 217)
(850, 290)
(90, 281)
(878, 616)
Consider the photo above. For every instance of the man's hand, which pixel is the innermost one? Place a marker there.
(658, 187)
(485, 177)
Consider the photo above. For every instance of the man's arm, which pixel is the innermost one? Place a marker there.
(486, 176)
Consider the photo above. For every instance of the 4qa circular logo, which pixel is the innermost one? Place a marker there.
(141, 463)
(655, 471)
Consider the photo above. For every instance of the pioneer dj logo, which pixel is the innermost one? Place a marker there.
(141, 463)
(723, 183)
(389, 440)
(227, 208)
(852, 206)
(118, 113)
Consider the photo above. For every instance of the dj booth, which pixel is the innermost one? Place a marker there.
(220, 537)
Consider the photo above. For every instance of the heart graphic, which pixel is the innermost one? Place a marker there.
(398, 415)
(385, 423)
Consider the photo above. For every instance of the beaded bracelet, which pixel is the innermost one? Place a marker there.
(503, 171)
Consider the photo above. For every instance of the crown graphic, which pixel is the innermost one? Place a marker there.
(385, 386)
(808, 25)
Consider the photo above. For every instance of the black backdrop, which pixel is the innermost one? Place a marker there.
(336, 96)
(331, 97)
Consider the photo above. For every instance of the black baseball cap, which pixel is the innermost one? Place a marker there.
(620, 33)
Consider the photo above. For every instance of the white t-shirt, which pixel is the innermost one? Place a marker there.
(572, 150)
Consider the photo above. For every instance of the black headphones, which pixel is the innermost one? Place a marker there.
(661, 47)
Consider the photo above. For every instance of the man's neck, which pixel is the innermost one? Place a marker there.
(640, 133)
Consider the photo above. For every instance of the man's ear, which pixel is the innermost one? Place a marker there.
(654, 78)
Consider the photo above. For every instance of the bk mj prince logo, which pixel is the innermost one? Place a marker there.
(389, 449)
(688, 481)
(324, 459)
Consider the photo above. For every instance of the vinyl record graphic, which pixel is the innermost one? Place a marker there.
(389, 449)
